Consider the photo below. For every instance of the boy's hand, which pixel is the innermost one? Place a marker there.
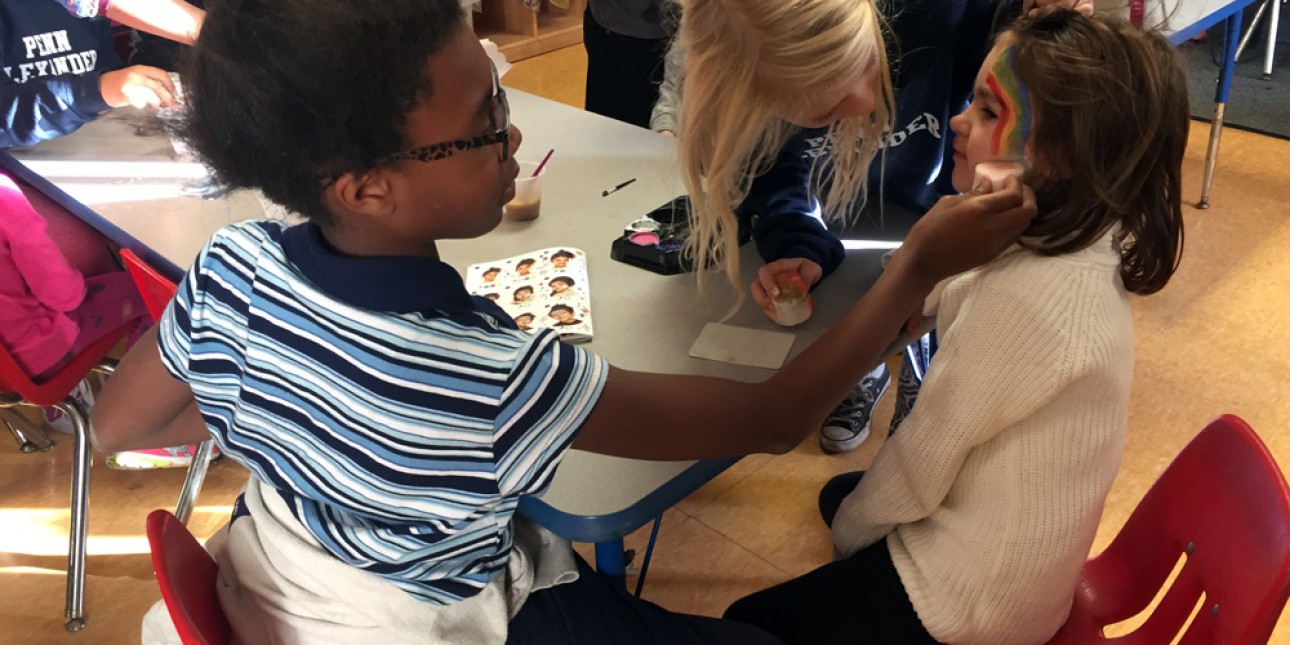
(764, 288)
(965, 231)
(1032, 8)
(137, 85)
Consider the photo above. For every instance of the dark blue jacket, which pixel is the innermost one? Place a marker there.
(937, 48)
(52, 62)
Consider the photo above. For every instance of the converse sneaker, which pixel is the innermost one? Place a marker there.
(909, 382)
(57, 420)
(907, 386)
(176, 457)
(848, 424)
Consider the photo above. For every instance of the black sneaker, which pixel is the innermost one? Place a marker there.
(911, 381)
(907, 386)
(848, 424)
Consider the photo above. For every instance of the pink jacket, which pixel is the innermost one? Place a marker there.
(37, 287)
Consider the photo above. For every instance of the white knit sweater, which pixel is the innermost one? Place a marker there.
(990, 492)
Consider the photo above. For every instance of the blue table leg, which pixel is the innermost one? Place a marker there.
(609, 560)
(1230, 39)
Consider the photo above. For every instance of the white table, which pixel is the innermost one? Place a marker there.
(127, 186)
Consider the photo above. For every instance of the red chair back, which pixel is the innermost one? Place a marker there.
(1224, 506)
(187, 576)
(156, 290)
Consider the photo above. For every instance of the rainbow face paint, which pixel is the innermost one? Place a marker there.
(1013, 131)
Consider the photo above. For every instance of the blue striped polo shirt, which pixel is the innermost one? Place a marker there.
(398, 416)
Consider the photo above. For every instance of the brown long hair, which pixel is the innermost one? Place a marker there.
(1111, 127)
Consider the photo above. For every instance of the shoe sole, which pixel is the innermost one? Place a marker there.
(833, 446)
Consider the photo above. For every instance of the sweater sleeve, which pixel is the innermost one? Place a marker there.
(995, 366)
(786, 219)
(49, 276)
(663, 116)
(48, 107)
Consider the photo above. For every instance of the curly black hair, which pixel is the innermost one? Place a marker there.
(281, 92)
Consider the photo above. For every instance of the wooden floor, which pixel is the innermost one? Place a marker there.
(1212, 342)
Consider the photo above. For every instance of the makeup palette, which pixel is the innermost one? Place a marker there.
(654, 242)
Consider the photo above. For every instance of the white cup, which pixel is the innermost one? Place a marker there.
(527, 203)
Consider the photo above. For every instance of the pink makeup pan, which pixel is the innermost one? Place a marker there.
(644, 238)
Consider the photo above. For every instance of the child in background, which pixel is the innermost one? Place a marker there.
(524, 322)
(523, 295)
(49, 312)
(523, 267)
(391, 421)
(974, 521)
(61, 71)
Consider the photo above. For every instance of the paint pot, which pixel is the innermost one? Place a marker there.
(643, 238)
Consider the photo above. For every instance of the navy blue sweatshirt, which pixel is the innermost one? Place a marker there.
(52, 62)
(938, 47)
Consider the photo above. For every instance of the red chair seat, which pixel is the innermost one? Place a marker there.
(187, 575)
(1224, 506)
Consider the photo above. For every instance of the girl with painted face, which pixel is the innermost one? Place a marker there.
(1023, 412)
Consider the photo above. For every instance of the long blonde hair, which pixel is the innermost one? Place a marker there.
(746, 63)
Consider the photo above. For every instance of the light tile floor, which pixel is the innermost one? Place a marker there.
(1211, 342)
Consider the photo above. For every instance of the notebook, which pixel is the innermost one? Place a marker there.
(543, 289)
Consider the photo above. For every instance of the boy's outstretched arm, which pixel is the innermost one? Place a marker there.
(143, 406)
(656, 416)
(659, 416)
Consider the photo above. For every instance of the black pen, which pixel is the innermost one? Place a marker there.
(613, 190)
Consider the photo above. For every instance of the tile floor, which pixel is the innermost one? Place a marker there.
(1212, 342)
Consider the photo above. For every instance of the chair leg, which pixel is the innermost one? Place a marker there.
(1254, 26)
(23, 431)
(1270, 55)
(78, 534)
(193, 481)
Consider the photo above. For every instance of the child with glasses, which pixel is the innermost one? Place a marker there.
(390, 420)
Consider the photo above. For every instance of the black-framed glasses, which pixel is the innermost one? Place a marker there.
(499, 124)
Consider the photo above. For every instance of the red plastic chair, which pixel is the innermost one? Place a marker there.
(157, 292)
(187, 575)
(1224, 503)
(17, 389)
